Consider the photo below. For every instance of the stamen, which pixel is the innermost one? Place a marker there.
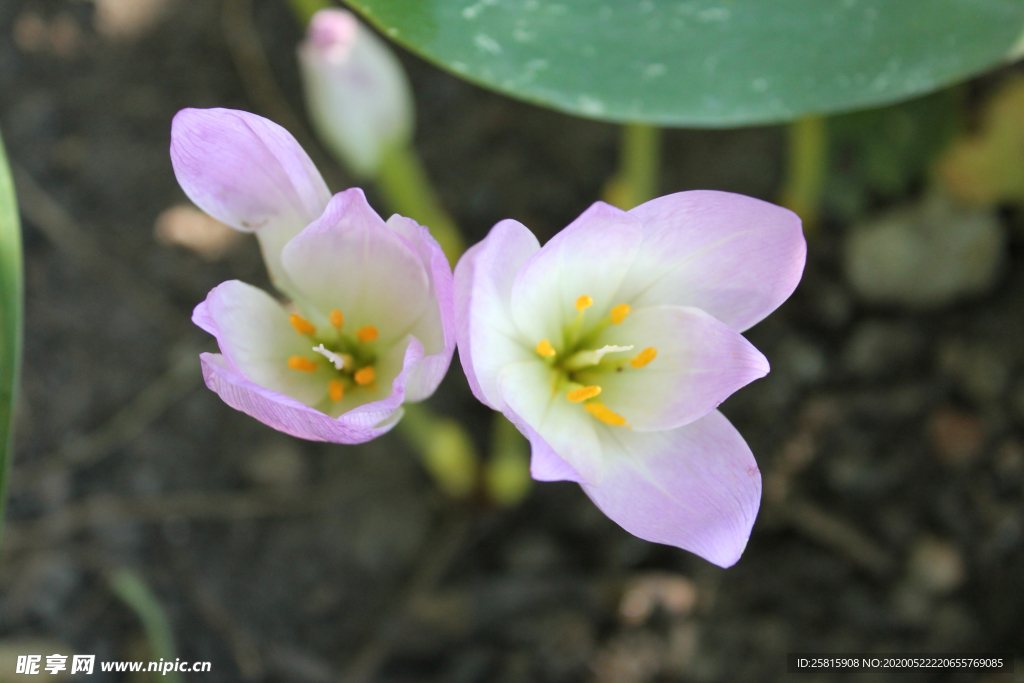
(301, 325)
(644, 357)
(604, 414)
(301, 363)
(619, 313)
(338, 360)
(582, 359)
(337, 319)
(364, 376)
(545, 349)
(367, 334)
(584, 302)
(336, 389)
(583, 393)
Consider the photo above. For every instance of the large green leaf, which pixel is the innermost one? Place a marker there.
(706, 62)
(10, 317)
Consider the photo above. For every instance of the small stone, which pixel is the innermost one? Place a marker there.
(802, 359)
(645, 593)
(936, 566)
(186, 226)
(980, 372)
(279, 464)
(630, 658)
(879, 348)
(956, 436)
(926, 255)
(127, 18)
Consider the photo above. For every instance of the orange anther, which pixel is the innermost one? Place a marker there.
(584, 302)
(619, 313)
(367, 334)
(337, 319)
(301, 325)
(336, 389)
(583, 393)
(604, 414)
(545, 349)
(301, 363)
(364, 376)
(644, 357)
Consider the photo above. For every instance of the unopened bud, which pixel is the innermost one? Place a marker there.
(357, 93)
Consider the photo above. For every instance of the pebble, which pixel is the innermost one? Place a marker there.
(936, 566)
(645, 593)
(956, 436)
(925, 255)
(878, 348)
(979, 370)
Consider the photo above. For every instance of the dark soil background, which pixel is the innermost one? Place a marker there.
(891, 442)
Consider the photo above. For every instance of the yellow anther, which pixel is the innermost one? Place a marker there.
(619, 313)
(583, 393)
(301, 363)
(301, 325)
(367, 334)
(604, 414)
(545, 349)
(337, 319)
(336, 389)
(584, 302)
(364, 376)
(644, 357)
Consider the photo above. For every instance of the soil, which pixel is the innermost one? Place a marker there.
(891, 442)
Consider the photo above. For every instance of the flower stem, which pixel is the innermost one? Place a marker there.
(507, 475)
(11, 319)
(445, 449)
(407, 190)
(636, 181)
(305, 9)
(806, 166)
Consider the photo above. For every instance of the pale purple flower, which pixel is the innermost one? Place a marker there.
(370, 324)
(611, 347)
(357, 94)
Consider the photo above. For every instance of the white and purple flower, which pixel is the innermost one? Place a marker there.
(611, 347)
(370, 324)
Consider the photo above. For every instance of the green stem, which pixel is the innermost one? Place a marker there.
(508, 469)
(11, 322)
(305, 9)
(134, 592)
(806, 167)
(445, 449)
(403, 181)
(636, 181)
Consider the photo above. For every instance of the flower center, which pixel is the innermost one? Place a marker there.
(349, 359)
(579, 366)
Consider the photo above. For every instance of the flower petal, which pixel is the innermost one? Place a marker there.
(589, 257)
(700, 362)
(249, 173)
(736, 257)
(696, 487)
(527, 389)
(545, 465)
(436, 327)
(487, 335)
(349, 260)
(254, 334)
(288, 415)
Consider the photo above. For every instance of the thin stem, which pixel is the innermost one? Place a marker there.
(636, 181)
(445, 449)
(305, 9)
(406, 188)
(11, 322)
(508, 469)
(806, 166)
(134, 592)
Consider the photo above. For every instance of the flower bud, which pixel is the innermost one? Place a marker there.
(357, 93)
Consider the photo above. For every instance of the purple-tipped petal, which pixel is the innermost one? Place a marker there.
(590, 257)
(487, 335)
(254, 334)
(249, 173)
(571, 433)
(287, 415)
(736, 257)
(700, 362)
(436, 328)
(696, 487)
(349, 260)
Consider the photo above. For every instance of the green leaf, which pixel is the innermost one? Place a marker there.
(706, 62)
(10, 318)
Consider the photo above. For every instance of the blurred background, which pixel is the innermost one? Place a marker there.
(890, 432)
